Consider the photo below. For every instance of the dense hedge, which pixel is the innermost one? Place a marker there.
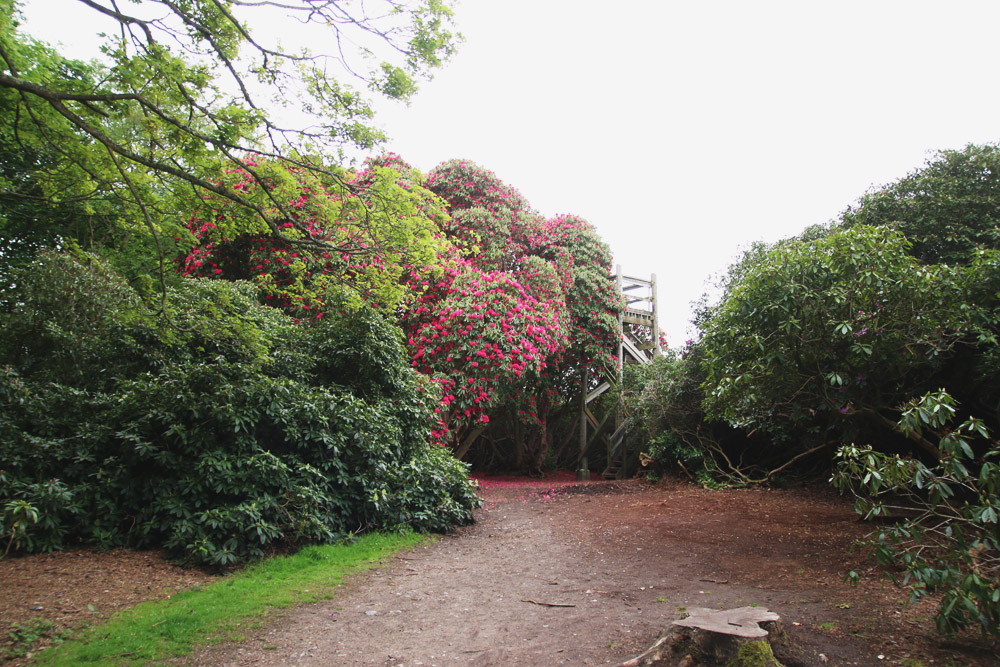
(218, 428)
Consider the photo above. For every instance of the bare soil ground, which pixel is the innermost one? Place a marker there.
(574, 575)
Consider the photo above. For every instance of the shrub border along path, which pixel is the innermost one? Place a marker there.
(171, 628)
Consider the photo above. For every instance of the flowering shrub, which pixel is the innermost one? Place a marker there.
(503, 308)
(521, 306)
(484, 334)
(464, 184)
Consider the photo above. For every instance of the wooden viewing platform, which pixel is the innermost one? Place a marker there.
(639, 317)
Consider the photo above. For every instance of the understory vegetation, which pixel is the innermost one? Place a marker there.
(868, 347)
(217, 432)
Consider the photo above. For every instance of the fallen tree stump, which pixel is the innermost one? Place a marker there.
(715, 637)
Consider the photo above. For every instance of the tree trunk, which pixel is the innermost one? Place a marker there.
(463, 449)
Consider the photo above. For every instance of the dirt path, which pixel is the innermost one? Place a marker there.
(628, 558)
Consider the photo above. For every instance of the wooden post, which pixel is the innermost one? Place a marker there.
(621, 364)
(656, 319)
(583, 474)
(621, 321)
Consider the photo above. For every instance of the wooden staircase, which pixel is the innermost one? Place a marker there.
(640, 312)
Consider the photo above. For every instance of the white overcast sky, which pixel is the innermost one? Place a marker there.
(686, 130)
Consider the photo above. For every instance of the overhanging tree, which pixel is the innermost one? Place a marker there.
(186, 90)
(370, 228)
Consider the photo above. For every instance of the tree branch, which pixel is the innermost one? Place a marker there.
(913, 436)
(124, 19)
(56, 102)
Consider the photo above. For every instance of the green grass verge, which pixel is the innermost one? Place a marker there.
(164, 629)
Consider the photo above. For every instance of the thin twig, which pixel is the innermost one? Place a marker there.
(548, 604)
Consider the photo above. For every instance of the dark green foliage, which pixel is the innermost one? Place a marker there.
(820, 338)
(945, 210)
(868, 338)
(950, 541)
(825, 338)
(73, 322)
(817, 341)
(218, 430)
(663, 399)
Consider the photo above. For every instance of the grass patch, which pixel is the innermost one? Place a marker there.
(171, 628)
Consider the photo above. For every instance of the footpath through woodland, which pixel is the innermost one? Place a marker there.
(554, 573)
(593, 574)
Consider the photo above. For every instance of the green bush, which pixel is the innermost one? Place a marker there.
(948, 537)
(222, 430)
(664, 400)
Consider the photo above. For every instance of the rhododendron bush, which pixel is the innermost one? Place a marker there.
(524, 305)
(221, 432)
(501, 307)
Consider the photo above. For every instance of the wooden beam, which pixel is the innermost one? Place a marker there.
(636, 354)
(656, 316)
(583, 472)
(619, 351)
(600, 430)
(597, 392)
(645, 321)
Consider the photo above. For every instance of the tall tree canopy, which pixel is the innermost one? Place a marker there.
(820, 339)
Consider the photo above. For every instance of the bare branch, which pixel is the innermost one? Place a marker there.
(124, 19)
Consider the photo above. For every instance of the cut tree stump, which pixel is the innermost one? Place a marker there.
(739, 622)
(710, 637)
